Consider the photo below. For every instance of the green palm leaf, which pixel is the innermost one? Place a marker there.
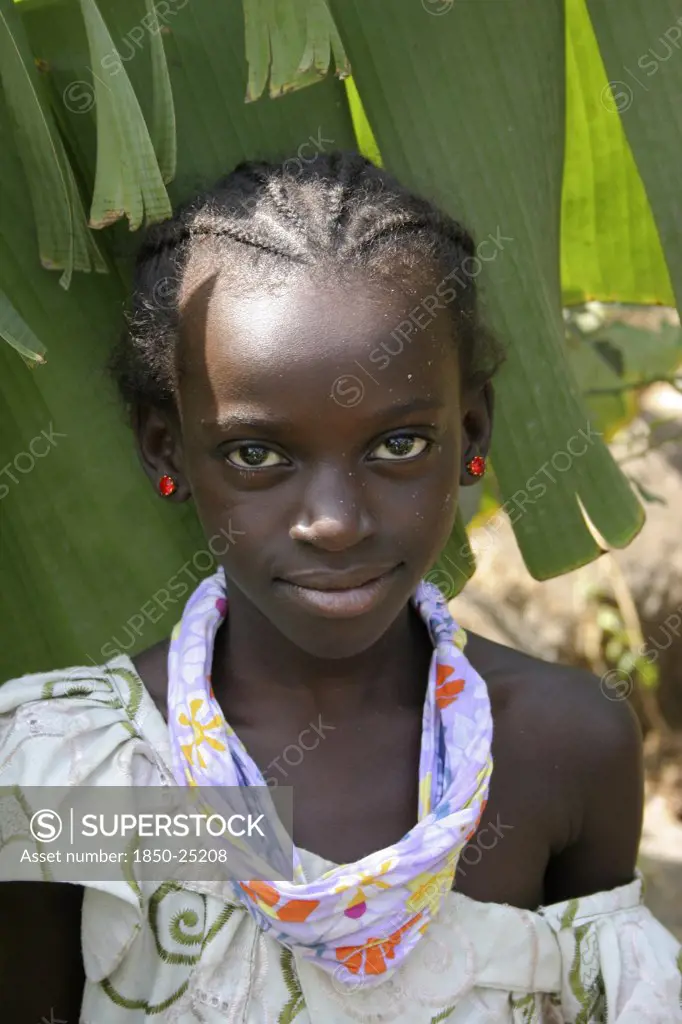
(18, 334)
(63, 237)
(289, 44)
(163, 128)
(128, 180)
(610, 249)
(643, 57)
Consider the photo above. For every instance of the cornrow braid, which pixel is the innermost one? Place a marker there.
(347, 172)
(391, 227)
(338, 212)
(283, 204)
(245, 236)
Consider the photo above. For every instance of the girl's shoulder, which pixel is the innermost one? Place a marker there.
(573, 740)
(75, 725)
(563, 705)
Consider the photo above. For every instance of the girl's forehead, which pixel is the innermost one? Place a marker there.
(309, 328)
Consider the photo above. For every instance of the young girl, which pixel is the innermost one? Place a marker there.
(466, 818)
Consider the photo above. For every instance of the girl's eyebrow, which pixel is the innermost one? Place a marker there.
(412, 405)
(260, 419)
(246, 416)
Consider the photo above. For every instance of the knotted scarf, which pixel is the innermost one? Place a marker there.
(357, 921)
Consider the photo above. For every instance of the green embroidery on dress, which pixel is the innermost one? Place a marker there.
(574, 975)
(568, 915)
(113, 703)
(78, 691)
(134, 687)
(526, 1004)
(186, 916)
(297, 1000)
(80, 688)
(443, 1015)
(592, 998)
(600, 1010)
(127, 1004)
(142, 1004)
(72, 691)
(222, 919)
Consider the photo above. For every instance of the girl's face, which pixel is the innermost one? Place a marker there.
(329, 448)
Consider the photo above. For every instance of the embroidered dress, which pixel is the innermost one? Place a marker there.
(183, 954)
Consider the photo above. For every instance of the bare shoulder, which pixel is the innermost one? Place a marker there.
(567, 709)
(565, 725)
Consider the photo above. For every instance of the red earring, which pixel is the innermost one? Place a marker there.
(476, 466)
(167, 486)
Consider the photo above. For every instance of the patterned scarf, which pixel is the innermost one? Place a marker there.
(357, 921)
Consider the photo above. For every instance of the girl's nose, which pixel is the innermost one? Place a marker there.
(333, 516)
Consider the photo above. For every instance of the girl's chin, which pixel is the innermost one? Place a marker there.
(334, 637)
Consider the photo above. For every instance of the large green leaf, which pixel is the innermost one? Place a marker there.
(18, 334)
(83, 541)
(289, 44)
(642, 50)
(483, 134)
(163, 129)
(128, 181)
(610, 246)
(610, 249)
(64, 240)
(204, 46)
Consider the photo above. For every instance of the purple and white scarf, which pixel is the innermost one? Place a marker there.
(357, 921)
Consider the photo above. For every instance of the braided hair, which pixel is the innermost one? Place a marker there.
(338, 213)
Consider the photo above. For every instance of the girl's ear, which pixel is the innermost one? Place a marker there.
(159, 446)
(477, 426)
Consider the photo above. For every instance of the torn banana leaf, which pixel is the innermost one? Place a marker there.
(15, 331)
(289, 45)
(128, 180)
(163, 128)
(64, 240)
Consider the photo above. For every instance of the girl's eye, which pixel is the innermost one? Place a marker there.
(254, 456)
(400, 447)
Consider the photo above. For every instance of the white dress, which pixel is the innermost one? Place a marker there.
(175, 953)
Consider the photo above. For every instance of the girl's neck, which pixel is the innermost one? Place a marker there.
(256, 669)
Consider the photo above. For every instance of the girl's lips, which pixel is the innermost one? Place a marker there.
(339, 604)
